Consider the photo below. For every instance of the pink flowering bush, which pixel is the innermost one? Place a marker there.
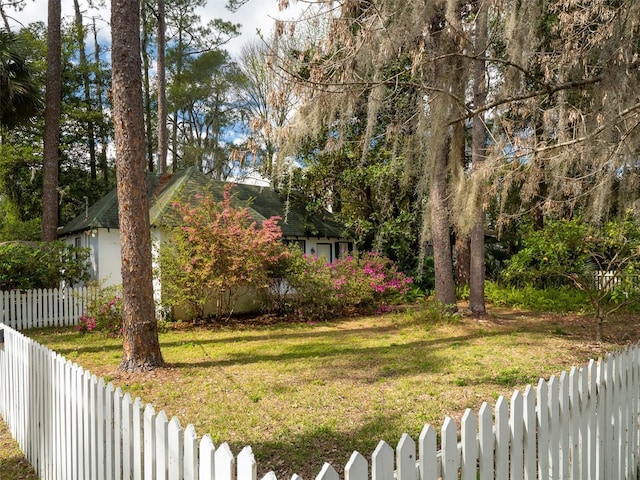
(103, 313)
(356, 284)
(367, 281)
(86, 323)
(217, 251)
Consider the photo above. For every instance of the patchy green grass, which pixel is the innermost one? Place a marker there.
(13, 465)
(301, 394)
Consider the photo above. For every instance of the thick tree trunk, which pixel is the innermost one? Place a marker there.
(463, 252)
(437, 168)
(440, 233)
(141, 348)
(477, 250)
(52, 125)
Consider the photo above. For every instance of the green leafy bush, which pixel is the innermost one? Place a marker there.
(319, 290)
(217, 250)
(552, 299)
(28, 265)
(103, 313)
(601, 261)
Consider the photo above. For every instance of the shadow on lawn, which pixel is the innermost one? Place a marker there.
(390, 360)
(338, 350)
(304, 453)
(272, 334)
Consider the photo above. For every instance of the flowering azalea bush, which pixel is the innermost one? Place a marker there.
(363, 284)
(103, 313)
(368, 281)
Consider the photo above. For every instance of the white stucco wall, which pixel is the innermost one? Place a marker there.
(104, 258)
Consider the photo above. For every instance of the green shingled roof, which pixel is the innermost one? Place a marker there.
(263, 202)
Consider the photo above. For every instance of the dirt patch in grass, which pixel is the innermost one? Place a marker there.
(303, 394)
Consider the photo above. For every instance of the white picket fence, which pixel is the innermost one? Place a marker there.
(608, 280)
(23, 309)
(71, 425)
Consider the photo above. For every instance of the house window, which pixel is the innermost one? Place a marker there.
(323, 250)
(77, 242)
(301, 244)
(343, 249)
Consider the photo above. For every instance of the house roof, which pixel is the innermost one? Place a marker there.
(183, 186)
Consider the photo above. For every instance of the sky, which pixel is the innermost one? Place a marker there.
(256, 14)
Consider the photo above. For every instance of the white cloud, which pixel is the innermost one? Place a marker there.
(256, 14)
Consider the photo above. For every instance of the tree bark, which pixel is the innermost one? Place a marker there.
(50, 158)
(141, 347)
(463, 252)
(478, 140)
(102, 160)
(86, 83)
(162, 92)
(440, 232)
(147, 88)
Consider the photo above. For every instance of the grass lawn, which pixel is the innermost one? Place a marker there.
(13, 465)
(301, 394)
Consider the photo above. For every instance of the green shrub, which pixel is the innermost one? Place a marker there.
(432, 311)
(556, 300)
(28, 265)
(314, 289)
(103, 313)
(217, 250)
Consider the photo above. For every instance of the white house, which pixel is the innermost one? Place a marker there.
(97, 227)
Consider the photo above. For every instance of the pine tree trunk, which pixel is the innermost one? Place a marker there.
(141, 347)
(162, 92)
(102, 159)
(50, 158)
(147, 89)
(86, 83)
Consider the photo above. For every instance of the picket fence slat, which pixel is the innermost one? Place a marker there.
(206, 468)
(162, 447)
(382, 462)
(516, 419)
(529, 442)
(49, 307)
(224, 463)
(176, 446)
(501, 438)
(149, 443)
(356, 468)
(427, 445)
(247, 467)
(486, 442)
(469, 440)
(71, 425)
(190, 453)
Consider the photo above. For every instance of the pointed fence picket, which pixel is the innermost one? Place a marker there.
(24, 309)
(582, 424)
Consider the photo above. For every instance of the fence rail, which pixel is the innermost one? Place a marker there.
(71, 425)
(23, 309)
(608, 280)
